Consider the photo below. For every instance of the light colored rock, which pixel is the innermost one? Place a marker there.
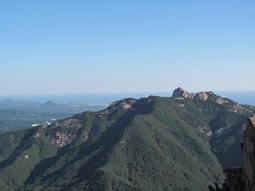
(220, 130)
(36, 135)
(61, 139)
(205, 130)
(35, 125)
(201, 96)
(181, 105)
(221, 101)
(12, 136)
(69, 123)
(179, 98)
(27, 156)
(124, 104)
(179, 92)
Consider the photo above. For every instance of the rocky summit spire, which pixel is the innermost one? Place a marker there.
(179, 92)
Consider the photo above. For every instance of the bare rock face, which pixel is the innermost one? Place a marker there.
(220, 100)
(179, 92)
(67, 123)
(242, 179)
(61, 139)
(58, 136)
(202, 95)
(249, 155)
(124, 104)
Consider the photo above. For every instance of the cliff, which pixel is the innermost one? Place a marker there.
(249, 155)
(242, 179)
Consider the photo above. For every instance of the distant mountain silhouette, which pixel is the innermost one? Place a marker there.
(49, 103)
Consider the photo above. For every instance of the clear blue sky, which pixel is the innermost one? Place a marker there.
(76, 46)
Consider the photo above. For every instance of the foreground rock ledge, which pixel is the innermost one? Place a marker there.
(242, 179)
(248, 148)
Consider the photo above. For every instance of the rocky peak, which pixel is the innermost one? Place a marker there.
(181, 93)
(124, 104)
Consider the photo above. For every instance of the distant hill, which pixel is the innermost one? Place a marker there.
(19, 114)
(154, 143)
(49, 104)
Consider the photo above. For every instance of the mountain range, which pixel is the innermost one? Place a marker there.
(180, 142)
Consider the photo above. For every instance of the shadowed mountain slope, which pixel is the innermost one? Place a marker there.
(153, 143)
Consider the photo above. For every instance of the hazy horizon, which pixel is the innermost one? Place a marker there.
(56, 47)
(243, 97)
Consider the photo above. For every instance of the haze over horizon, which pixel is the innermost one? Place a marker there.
(56, 47)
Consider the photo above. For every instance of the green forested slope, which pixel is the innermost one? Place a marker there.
(148, 144)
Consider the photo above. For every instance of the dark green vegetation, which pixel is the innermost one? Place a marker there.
(148, 144)
(18, 114)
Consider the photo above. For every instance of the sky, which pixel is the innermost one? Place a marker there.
(60, 46)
